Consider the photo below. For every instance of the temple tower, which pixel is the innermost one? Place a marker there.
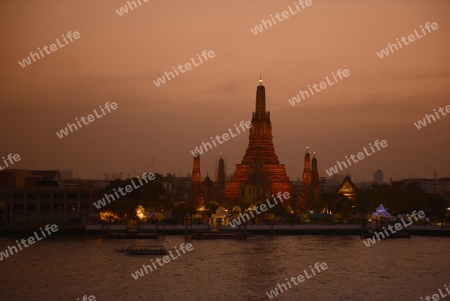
(315, 183)
(220, 179)
(310, 193)
(307, 176)
(260, 174)
(220, 182)
(196, 196)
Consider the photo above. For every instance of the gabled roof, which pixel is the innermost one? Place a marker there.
(347, 188)
(347, 183)
(47, 175)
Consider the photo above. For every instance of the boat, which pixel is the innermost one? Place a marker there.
(144, 250)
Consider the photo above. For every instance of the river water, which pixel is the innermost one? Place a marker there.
(69, 268)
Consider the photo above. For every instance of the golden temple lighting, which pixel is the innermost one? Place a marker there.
(140, 212)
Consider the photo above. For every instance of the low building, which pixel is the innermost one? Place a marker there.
(41, 196)
(431, 186)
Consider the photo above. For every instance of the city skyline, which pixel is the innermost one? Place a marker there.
(281, 146)
(113, 62)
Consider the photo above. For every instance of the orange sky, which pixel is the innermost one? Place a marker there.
(118, 57)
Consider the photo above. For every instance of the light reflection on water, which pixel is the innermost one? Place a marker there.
(67, 269)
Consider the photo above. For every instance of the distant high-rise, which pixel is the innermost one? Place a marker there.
(378, 177)
(260, 174)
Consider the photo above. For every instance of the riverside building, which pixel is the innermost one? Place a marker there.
(38, 196)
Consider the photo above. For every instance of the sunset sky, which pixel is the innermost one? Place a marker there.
(117, 58)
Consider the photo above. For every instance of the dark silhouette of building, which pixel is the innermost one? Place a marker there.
(208, 190)
(37, 196)
(378, 177)
(260, 174)
(220, 181)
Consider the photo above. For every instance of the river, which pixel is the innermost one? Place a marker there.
(58, 268)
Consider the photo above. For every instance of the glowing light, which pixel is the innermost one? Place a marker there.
(108, 216)
(201, 208)
(140, 212)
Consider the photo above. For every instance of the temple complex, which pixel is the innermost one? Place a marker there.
(260, 174)
(207, 191)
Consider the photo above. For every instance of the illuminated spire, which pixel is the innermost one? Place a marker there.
(260, 168)
(260, 99)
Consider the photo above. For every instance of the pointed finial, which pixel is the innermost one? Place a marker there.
(260, 79)
(307, 149)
